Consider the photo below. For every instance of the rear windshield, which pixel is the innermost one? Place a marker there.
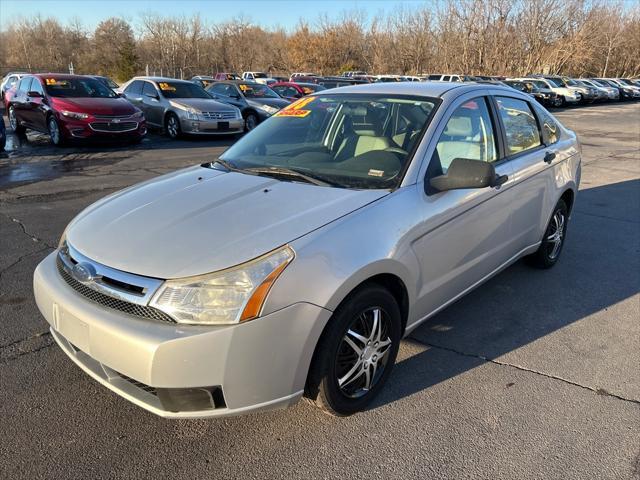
(77, 88)
(182, 90)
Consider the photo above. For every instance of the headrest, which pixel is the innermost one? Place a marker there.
(459, 127)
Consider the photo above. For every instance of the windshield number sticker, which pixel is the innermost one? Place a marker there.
(375, 173)
(295, 109)
(57, 83)
(166, 87)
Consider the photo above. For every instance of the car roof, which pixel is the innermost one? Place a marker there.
(422, 89)
(161, 79)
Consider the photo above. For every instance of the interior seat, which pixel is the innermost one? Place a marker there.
(457, 142)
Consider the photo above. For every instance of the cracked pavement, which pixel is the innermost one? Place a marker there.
(534, 375)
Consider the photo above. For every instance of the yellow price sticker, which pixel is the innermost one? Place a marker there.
(166, 87)
(292, 113)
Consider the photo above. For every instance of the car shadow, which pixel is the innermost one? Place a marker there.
(523, 304)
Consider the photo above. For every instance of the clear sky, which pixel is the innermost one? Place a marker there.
(269, 13)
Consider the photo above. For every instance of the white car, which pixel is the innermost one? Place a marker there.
(258, 77)
(9, 81)
(608, 93)
(568, 95)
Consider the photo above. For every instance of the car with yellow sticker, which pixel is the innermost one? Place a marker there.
(182, 107)
(256, 101)
(293, 91)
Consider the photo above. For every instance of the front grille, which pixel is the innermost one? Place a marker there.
(219, 115)
(140, 385)
(111, 117)
(113, 127)
(110, 302)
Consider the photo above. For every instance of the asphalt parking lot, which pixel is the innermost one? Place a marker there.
(536, 375)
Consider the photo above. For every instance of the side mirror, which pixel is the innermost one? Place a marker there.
(34, 94)
(466, 173)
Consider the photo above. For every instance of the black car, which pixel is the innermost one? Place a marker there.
(203, 80)
(544, 97)
(256, 101)
(106, 81)
(3, 133)
(334, 82)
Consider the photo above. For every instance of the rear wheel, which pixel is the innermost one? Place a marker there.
(13, 122)
(356, 353)
(549, 251)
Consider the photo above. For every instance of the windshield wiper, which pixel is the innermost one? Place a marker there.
(306, 176)
(228, 166)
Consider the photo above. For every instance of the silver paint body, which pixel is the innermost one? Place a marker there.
(439, 246)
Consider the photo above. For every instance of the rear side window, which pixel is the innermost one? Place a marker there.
(25, 84)
(134, 87)
(520, 125)
(468, 134)
(36, 86)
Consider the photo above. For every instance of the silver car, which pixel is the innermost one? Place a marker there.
(295, 262)
(180, 106)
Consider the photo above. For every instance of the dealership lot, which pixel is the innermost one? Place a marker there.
(534, 375)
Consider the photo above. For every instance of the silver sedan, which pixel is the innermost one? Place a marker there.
(295, 263)
(179, 107)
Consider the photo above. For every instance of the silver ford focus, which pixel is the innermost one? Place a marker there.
(294, 263)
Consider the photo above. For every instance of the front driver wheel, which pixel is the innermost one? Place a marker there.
(172, 126)
(549, 251)
(54, 132)
(356, 353)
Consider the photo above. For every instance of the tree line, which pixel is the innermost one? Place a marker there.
(491, 37)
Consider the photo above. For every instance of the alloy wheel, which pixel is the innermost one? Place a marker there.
(172, 126)
(556, 235)
(251, 122)
(54, 131)
(363, 353)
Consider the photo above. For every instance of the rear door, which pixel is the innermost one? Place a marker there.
(465, 236)
(531, 142)
(36, 108)
(19, 101)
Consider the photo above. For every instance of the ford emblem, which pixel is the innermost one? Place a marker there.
(83, 272)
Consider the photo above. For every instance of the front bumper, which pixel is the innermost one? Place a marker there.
(212, 127)
(258, 365)
(72, 128)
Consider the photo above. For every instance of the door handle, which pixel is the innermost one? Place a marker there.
(499, 180)
(549, 157)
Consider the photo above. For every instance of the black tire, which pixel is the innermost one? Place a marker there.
(250, 122)
(335, 358)
(13, 122)
(172, 126)
(57, 138)
(549, 251)
(563, 103)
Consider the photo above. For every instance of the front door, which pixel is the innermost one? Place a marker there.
(467, 232)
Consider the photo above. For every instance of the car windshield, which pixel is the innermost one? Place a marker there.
(351, 141)
(257, 90)
(555, 82)
(77, 87)
(571, 83)
(182, 90)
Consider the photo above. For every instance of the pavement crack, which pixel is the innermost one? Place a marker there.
(26, 232)
(25, 346)
(598, 391)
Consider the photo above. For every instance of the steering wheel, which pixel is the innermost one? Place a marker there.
(396, 150)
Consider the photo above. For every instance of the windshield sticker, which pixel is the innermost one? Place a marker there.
(307, 90)
(57, 83)
(286, 112)
(244, 88)
(375, 173)
(166, 87)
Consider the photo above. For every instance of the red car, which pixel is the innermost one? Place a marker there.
(73, 106)
(294, 90)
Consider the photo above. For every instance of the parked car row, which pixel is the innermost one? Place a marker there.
(79, 107)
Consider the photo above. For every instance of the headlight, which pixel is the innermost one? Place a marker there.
(192, 114)
(268, 108)
(230, 296)
(138, 114)
(76, 115)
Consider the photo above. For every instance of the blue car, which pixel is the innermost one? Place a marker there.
(3, 134)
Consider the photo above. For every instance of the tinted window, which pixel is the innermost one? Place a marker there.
(77, 87)
(520, 125)
(24, 84)
(149, 90)
(134, 87)
(223, 89)
(434, 77)
(468, 134)
(257, 90)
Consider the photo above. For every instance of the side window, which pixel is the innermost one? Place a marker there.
(446, 78)
(134, 88)
(469, 134)
(12, 81)
(149, 90)
(550, 129)
(25, 84)
(520, 125)
(36, 86)
(221, 89)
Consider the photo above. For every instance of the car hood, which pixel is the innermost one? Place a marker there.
(95, 106)
(201, 104)
(201, 220)
(272, 102)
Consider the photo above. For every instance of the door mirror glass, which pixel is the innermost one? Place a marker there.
(466, 173)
